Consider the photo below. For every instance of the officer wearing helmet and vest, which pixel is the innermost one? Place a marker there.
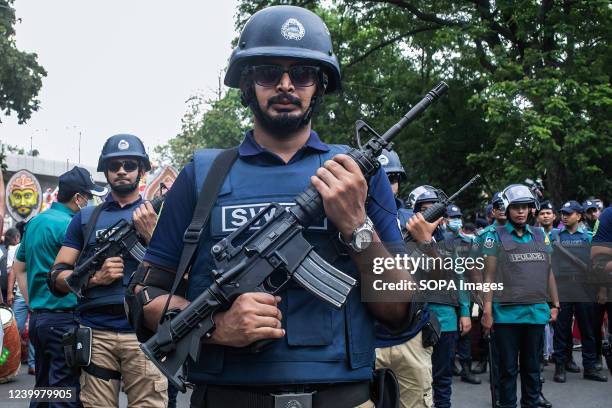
(115, 353)
(458, 244)
(451, 308)
(518, 256)
(391, 164)
(317, 356)
(413, 369)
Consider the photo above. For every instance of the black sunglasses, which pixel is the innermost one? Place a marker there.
(300, 75)
(128, 165)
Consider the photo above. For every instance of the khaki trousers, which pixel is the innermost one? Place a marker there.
(411, 363)
(143, 383)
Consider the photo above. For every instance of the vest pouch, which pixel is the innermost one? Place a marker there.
(77, 347)
(309, 320)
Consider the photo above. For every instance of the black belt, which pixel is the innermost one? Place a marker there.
(339, 395)
(115, 310)
(53, 311)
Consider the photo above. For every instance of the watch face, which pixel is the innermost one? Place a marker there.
(363, 239)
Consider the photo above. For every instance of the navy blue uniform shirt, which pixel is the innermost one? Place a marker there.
(74, 239)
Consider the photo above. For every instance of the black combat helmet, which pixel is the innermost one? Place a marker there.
(284, 32)
(123, 145)
(391, 164)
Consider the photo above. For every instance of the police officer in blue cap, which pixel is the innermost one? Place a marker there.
(517, 256)
(592, 211)
(51, 315)
(576, 296)
(283, 65)
(116, 356)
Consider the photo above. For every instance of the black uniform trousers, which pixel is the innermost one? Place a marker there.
(46, 331)
(562, 340)
(442, 370)
(518, 346)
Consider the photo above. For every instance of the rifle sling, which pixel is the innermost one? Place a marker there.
(89, 228)
(206, 200)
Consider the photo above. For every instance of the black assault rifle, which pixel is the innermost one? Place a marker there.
(120, 239)
(438, 210)
(276, 253)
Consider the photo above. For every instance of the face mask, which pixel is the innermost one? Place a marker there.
(79, 205)
(455, 224)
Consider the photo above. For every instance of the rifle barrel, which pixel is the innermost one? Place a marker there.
(416, 110)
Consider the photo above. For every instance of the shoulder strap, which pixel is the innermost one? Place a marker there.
(91, 224)
(206, 199)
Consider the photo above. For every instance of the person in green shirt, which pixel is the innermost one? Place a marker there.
(517, 256)
(51, 316)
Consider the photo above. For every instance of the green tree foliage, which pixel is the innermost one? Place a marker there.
(217, 123)
(530, 85)
(20, 74)
(529, 88)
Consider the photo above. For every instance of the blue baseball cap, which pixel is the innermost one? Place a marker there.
(572, 206)
(589, 204)
(453, 211)
(79, 180)
(546, 205)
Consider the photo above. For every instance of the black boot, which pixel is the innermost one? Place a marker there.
(543, 402)
(480, 367)
(594, 375)
(571, 366)
(560, 375)
(466, 374)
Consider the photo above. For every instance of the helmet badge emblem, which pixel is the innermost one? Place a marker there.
(123, 145)
(293, 404)
(383, 160)
(292, 29)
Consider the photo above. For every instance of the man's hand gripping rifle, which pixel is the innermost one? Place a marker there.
(438, 210)
(120, 239)
(266, 262)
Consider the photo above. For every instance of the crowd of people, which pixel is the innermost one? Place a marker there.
(315, 355)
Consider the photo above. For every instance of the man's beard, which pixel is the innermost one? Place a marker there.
(125, 189)
(283, 124)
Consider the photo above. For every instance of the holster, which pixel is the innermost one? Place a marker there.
(384, 390)
(77, 347)
(431, 331)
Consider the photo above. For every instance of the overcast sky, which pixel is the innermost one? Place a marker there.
(117, 66)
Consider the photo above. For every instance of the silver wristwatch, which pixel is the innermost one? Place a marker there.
(362, 236)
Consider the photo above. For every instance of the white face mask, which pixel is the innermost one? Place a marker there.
(84, 206)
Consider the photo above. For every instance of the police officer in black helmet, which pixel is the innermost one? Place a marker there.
(116, 356)
(318, 356)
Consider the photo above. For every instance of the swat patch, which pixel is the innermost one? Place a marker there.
(292, 29)
(489, 242)
(235, 216)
